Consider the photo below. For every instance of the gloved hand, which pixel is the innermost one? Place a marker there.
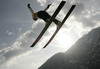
(48, 5)
(28, 5)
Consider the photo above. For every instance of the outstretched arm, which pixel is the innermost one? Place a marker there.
(32, 12)
(47, 7)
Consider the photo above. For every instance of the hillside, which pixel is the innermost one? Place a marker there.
(84, 54)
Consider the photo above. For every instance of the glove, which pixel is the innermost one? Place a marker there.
(48, 5)
(28, 5)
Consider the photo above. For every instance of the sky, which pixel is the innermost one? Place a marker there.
(18, 31)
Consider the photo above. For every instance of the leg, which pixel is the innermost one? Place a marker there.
(56, 21)
(46, 17)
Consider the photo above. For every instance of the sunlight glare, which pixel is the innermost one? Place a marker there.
(65, 41)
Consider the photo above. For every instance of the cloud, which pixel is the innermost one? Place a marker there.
(42, 2)
(86, 13)
(22, 44)
(10, 33)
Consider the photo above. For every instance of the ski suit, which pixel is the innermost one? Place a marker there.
(42, 15)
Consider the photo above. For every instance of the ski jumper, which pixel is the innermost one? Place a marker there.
(45, 16)
(42, 15)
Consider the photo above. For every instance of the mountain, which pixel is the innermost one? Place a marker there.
(84, 54)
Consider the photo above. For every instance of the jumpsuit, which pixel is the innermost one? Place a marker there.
(45, 16)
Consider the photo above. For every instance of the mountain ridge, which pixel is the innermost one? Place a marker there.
(84, 54)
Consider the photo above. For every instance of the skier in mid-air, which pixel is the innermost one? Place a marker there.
(42, 15)
(47, 18)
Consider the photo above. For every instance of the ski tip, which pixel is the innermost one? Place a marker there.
(74, 5)
(31, 46)
(63, 1)
(43, 47)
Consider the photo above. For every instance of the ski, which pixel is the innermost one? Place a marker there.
(63, 21)
(48, 24)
